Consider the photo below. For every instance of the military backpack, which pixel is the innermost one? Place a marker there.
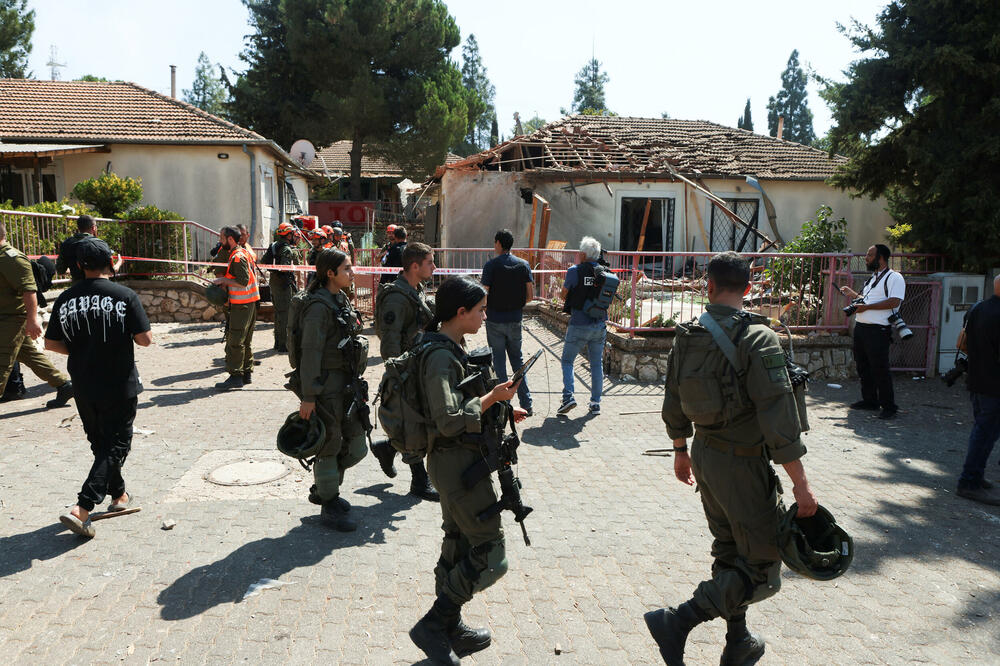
(296, 314)
(402, 409)
(383, 291)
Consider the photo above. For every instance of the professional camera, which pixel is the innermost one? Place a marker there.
(898, 325)
(961, 366)
(853, 307)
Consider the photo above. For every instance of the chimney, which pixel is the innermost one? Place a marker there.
(173, 88)
(781, 128)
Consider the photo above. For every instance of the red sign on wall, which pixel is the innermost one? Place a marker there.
(353, 213)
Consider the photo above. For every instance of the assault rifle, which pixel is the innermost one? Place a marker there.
(358, 389)
(505, 455)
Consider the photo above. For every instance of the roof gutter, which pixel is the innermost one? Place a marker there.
(253, 192)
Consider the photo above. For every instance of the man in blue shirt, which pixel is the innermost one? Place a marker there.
(583, 329)
(509, 284)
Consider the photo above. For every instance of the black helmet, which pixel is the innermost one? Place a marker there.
(816, 547)
(302, 439)
(216, 295)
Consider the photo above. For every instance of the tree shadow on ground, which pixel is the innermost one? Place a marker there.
(197, 342)
(185, 377)
(172, 397)
(923, 447)
(227, 580)
(21, 550)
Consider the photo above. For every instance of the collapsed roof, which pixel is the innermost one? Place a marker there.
(599, 146)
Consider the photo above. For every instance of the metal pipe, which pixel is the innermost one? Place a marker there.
(173, 81)
(253, 192)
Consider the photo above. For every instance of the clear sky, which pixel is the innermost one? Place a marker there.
(694, 60)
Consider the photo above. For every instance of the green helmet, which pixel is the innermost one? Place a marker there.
(816, 547)
(302, 439)
(216, 295)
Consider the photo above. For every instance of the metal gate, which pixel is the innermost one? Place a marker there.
(920, 310)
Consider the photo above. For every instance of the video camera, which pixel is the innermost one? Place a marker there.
(852, 307)
(961, 366)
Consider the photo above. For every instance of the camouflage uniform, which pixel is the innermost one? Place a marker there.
(282, 288)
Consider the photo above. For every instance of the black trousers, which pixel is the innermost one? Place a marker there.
(108, 425)
(871, 354)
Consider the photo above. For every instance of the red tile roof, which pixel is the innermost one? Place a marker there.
(118, 112)
(644, 146)
(336, 158)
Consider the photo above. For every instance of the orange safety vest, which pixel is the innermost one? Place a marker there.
(249, 293)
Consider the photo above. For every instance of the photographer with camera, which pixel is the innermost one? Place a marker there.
(980, 339)
(875, 315)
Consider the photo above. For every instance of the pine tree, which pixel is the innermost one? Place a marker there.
(16, 27)
(207, 91)
(791, 105)
(745, 122)
(917, 118)
(375, 72)
(494, 131)
(589, 93)
(481, 95)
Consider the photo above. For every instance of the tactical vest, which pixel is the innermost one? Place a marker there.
(241, 295)
(507, 292)
(584, 288)
(346, 351)
(420, 311)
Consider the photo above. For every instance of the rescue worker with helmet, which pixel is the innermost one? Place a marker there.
(726, 375)
(241, 282)
(281, 252)
(333, 356)
(473, 554)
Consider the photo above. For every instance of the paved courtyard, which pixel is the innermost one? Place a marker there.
(613, 535)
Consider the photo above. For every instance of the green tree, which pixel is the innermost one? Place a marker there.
(791, 104)
(917, 118)
(824, 234)
(480, 96)
(494, 131)
(93, 79)
(532, 124)
(746, 121)
(375, 72)
(109, 193)
(17, 24)
(589, 93)
(207, 91)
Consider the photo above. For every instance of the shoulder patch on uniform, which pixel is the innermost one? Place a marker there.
(388, 317)
(11, 252)
(775, 360)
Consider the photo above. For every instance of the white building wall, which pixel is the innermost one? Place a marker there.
(475, 204)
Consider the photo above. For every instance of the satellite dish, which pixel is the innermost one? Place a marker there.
(303, 152)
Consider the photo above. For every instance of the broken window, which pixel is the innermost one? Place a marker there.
(659, 226)
(728, 235)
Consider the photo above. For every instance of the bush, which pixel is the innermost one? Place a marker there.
(110, 194)
(822, 235)
(42, 236)
(163, 241)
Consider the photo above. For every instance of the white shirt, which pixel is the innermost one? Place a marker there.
(875, 290)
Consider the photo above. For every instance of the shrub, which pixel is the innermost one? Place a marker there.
(823, 234)
(42, 236)
(109, 193)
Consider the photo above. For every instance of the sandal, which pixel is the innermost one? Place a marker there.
(121, 507)
(78, 526)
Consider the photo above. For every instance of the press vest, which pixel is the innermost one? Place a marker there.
(240, 295)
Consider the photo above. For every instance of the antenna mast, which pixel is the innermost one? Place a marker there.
(53, 64)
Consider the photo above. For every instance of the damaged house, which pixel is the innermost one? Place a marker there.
(598, 174)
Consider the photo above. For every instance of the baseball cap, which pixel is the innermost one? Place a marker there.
(93, 254)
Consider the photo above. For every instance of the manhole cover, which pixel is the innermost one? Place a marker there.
(248, 473)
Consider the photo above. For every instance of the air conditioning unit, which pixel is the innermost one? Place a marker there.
(959, 292)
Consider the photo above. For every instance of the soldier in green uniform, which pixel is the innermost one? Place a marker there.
(281, 252)
(333, 357)
(744, 414)
(473, 555)
(401, 312)
(20, 324)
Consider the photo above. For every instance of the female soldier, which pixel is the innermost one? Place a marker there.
(472, 554)
(328, 365)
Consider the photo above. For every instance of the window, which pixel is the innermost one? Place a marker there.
(726, 234)
(11, 186)
(292, 204)
(659, 226)
(267, 183)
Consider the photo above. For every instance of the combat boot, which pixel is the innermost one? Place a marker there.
(334, 515)
(15, 389)
(63, 394)
(385, 454)
(430, 633)
(465, 640)
(420, 484)
(745, 651)
(234, 382)
(670, 627)
(314, 498)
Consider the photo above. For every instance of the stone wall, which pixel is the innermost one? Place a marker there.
(645, 358)
(175, 301)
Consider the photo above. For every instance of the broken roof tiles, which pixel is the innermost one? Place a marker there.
(640, 146)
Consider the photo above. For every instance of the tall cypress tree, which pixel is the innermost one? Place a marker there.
(791, 105)
(494, 131)
(207, 91)
(589, 93)
(745, 122)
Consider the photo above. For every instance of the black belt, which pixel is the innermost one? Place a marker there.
(864, 325)
(751, 451)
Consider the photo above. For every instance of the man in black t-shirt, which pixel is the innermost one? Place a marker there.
(67, 259)
(394, 255)
(95, 322)
(980, 339)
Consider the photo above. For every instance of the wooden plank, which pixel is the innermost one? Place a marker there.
(642, 231)
(114, 514)
(701, 223)
(543, 233)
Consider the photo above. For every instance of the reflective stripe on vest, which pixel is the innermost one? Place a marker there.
(249, 293)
